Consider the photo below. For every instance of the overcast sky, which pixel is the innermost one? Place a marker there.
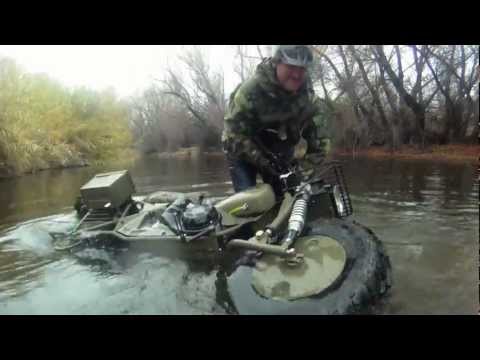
(127, 68)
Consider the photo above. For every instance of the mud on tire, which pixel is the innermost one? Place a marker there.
(364, 282)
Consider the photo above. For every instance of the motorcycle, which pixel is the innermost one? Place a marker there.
(299, 253)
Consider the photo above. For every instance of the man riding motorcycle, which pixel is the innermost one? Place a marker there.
(269, 114)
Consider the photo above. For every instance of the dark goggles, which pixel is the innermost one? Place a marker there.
(299, 53)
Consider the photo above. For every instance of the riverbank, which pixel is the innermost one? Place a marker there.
(126, 157)
(69, 163)
(451, 153)
(187, 153)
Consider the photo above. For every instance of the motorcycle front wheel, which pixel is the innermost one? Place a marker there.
(364, 282)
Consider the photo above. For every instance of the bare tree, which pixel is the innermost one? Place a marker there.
(376, 98)
(246, 64)
(158, 122)
(346, 83)
(260, 53)
(397, 80)
(456, 87)
(204, 98)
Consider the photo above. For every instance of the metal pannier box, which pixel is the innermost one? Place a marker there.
(112, 187)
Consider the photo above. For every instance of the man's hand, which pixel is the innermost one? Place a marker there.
(310, 163)
(266, 167)
(315, 158)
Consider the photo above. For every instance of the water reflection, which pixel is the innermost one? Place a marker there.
(427, 213)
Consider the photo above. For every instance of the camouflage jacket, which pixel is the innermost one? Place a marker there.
(259, 105)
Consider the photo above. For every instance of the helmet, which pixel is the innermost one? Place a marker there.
(297, 55)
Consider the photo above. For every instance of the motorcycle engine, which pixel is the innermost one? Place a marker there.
(198, 217)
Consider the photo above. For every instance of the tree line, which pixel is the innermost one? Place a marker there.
(379, 95)
(46, 125)
(388, 100)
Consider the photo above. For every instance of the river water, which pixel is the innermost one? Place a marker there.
(425, 212)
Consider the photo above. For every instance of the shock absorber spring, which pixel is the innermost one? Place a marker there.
(298, 215)
(296, 220)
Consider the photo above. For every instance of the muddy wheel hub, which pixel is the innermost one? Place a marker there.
(323, 262)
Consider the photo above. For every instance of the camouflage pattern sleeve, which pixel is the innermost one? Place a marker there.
(317, 131)
(239, 128)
